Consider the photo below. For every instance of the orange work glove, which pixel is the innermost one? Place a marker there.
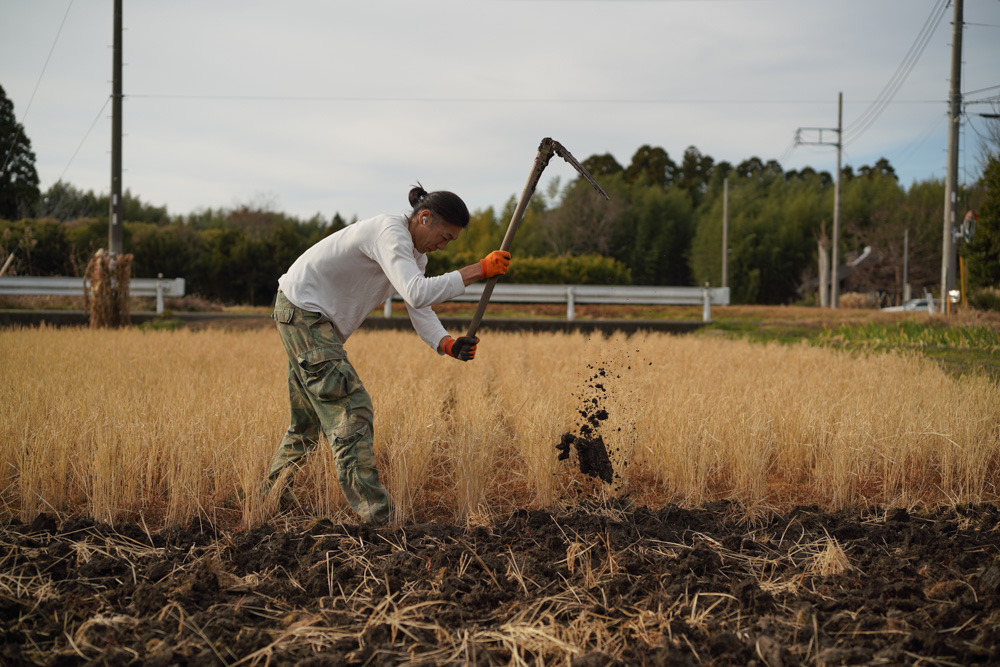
(494, 264)
(463, 349)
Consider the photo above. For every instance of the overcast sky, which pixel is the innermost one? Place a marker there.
(316, 106)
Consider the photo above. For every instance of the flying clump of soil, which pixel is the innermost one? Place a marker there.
(592, 454)
(588, 443)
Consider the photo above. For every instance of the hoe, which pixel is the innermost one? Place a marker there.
(546, 149)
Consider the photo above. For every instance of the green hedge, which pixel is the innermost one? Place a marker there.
(567, 270)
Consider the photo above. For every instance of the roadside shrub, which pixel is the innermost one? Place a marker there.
(987, 298)
(192, 303)
(40, 248)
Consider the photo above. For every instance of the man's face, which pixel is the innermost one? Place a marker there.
(436, 234)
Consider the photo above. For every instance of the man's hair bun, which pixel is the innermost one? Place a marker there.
(417, 193)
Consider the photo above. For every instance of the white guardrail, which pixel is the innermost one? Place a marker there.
(604, 294)
(60, 286)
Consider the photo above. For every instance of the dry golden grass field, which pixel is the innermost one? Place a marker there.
(775, 502)
(174, 425)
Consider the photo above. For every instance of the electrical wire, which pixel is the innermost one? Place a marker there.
(845, 158)
(788, 151)
(989, 99)
(963, 141)
(980, 90)
(909, 150)
(968, 122)
(89, 130)
(20, 126)
(482, 100)
(871, 114)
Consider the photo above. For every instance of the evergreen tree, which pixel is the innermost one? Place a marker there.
(651, 166)
(983, 252)
(18, 178)
(653, 240)
(695, 173)
(63, 201)
(602, 165)
(880, 168)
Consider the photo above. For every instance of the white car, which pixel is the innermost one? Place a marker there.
(912, 305)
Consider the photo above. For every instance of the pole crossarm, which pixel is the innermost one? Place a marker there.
(820, 142)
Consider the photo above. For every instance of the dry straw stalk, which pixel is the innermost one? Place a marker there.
(180, 424)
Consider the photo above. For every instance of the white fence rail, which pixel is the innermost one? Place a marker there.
(60, 286)
(603, 294)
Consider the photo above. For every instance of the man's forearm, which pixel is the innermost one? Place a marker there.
(472, 273)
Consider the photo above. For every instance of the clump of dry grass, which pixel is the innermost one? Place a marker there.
(177, 424)
(857, 300)
(106, 282)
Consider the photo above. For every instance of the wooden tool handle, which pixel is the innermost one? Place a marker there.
(541, 160)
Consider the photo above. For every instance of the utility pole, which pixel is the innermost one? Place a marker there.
(949, 248)
(824, 271)
(725, 231)
(906, 265)
(116, 207)
(835, 251)
(835, 260)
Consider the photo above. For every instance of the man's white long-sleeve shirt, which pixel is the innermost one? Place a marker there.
(349, 273)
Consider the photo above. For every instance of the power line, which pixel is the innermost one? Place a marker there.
(20, 125)
(982, 100)
(980, 90)
(788, 151)
(89, 130)
(483, 100)
(848, 158)
(908, 151)
(982, 137)
(871, 114)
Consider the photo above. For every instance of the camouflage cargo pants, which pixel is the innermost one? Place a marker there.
(325, 392)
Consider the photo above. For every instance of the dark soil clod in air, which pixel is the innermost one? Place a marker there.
(590, 448)
(592, 453)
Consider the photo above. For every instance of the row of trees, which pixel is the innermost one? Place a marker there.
(664, 222)
(233, 256)
(662, 226)
(654, 231)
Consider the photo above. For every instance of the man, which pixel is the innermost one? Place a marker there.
(326, 295)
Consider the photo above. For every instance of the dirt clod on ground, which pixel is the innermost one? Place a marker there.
(595, 584)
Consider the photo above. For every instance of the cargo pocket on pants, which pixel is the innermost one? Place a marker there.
(283, 315)
(327, 375)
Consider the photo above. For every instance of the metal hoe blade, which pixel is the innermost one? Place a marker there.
(546, 149)
(561, 151)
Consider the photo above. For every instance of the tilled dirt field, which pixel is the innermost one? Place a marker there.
(591, 585)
